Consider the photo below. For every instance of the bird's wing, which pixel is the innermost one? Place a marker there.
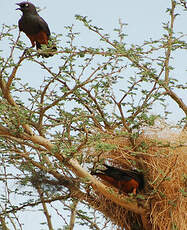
(20, 24)
(43, 25)
(33, 24)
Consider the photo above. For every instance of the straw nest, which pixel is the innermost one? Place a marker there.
(163, 159)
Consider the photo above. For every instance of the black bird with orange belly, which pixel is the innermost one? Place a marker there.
(34, 26)
(127, 181)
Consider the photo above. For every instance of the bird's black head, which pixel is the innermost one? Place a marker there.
(27, 8)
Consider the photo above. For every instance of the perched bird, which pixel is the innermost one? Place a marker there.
(127, 181)
(34, 26)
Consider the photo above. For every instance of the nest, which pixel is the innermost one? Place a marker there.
(164, 163)
(121, 217)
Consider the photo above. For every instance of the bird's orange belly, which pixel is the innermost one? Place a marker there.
(40, 37)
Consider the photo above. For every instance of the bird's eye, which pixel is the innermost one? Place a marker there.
(25, 5)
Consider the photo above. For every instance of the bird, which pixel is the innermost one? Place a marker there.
(34, 26)
(127, 181)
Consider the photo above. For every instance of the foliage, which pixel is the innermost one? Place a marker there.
(88, 95)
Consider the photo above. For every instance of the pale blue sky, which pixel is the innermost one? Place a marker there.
(144, 18)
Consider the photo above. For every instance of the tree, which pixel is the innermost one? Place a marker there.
(88, 110)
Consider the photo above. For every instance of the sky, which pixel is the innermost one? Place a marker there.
(144, 19)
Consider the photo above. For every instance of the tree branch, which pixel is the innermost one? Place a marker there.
(169, 47)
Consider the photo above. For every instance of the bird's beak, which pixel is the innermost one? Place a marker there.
(18, 5)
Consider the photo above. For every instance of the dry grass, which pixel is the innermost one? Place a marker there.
(163, 158)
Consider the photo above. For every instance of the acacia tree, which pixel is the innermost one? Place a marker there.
(50, 136)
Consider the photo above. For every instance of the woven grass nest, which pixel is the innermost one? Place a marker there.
(163, 159)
